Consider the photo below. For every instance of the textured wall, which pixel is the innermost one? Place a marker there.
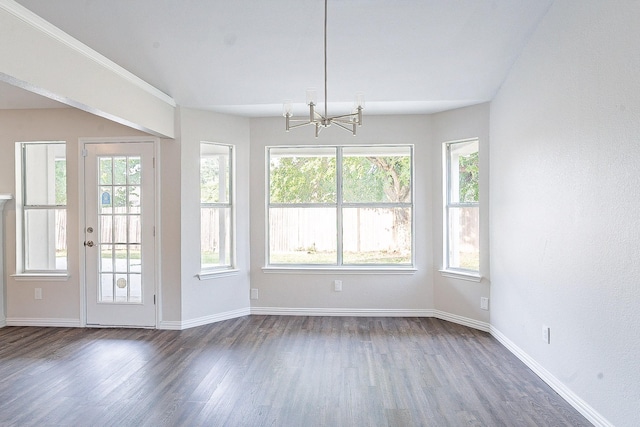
(565, 230)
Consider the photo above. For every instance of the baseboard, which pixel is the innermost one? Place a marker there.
(3, 322)
(460, 320)
(43, 322)
(205, 320)
(574, 400)
(340, 312)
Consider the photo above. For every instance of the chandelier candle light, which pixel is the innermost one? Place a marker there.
(348, 122)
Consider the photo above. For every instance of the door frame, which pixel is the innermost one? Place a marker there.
(82, 220)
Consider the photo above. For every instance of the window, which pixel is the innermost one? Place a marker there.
(216, 207)
(340, 206)
(461, 216)
(41, 195)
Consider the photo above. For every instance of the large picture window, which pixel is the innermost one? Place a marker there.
(216, 207)
(41, 179)
(461, 216)
(340, 206)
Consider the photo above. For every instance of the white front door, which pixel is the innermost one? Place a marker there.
(119, 231)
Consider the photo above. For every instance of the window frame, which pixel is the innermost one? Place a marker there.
(339, 205)
(447, 269)
(230, 267)
(22, 208)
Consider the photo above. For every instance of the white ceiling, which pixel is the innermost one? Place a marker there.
(246, 57)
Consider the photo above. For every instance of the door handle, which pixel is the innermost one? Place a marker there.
(89, 243)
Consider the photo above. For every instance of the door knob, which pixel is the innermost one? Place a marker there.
(89, 243)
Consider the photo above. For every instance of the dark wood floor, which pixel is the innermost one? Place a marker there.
(275, 371)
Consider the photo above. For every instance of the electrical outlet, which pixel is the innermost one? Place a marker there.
(38, 293)
(337, 285)
(254, 293)
(546, 334)
(484, 303)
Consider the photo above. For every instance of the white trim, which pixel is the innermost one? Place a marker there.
(453, 274)
(344, 312)
(573, 399)
(55, 33)
(40, 277)
(170, 325)
(3, 322)
(43, 322)
(205, 320)
(460, 320)
(339, 270)
(208, 275)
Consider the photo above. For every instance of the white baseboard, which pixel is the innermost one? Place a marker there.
(205, 320)
(574, 400)
(3, 322)
(340, 312)
(43, 322)
(460, 320)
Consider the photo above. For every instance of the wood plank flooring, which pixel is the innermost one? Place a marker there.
(272, 371)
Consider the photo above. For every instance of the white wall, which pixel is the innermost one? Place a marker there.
(204, 301)
(565, 229)
(372, 293)
(451, 295)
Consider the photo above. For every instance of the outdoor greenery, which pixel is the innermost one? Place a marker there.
(303, 180)
(61, 182)
(469, 178)
(366, 179)
(118, 174)
(210, 180)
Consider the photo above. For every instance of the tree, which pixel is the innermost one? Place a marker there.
(303, 180)
(469, 178)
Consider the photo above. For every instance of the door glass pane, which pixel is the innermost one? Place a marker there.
(135, 231)
(119, 170)
(106, 170)
(107, 259)
(135, 263)
(134, 199)
(120, 230)
(134, 170)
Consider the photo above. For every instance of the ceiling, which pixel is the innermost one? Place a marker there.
(246, 57)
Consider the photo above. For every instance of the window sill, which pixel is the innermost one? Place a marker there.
(341, 270)
(41, 277)
(207, 275)
(462, 275)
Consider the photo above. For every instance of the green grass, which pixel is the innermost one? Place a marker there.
(329, 258)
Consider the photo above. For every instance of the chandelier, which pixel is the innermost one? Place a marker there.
(348, 122)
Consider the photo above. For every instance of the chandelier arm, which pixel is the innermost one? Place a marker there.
(345, 116)
(343, 127)
(301, 125)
